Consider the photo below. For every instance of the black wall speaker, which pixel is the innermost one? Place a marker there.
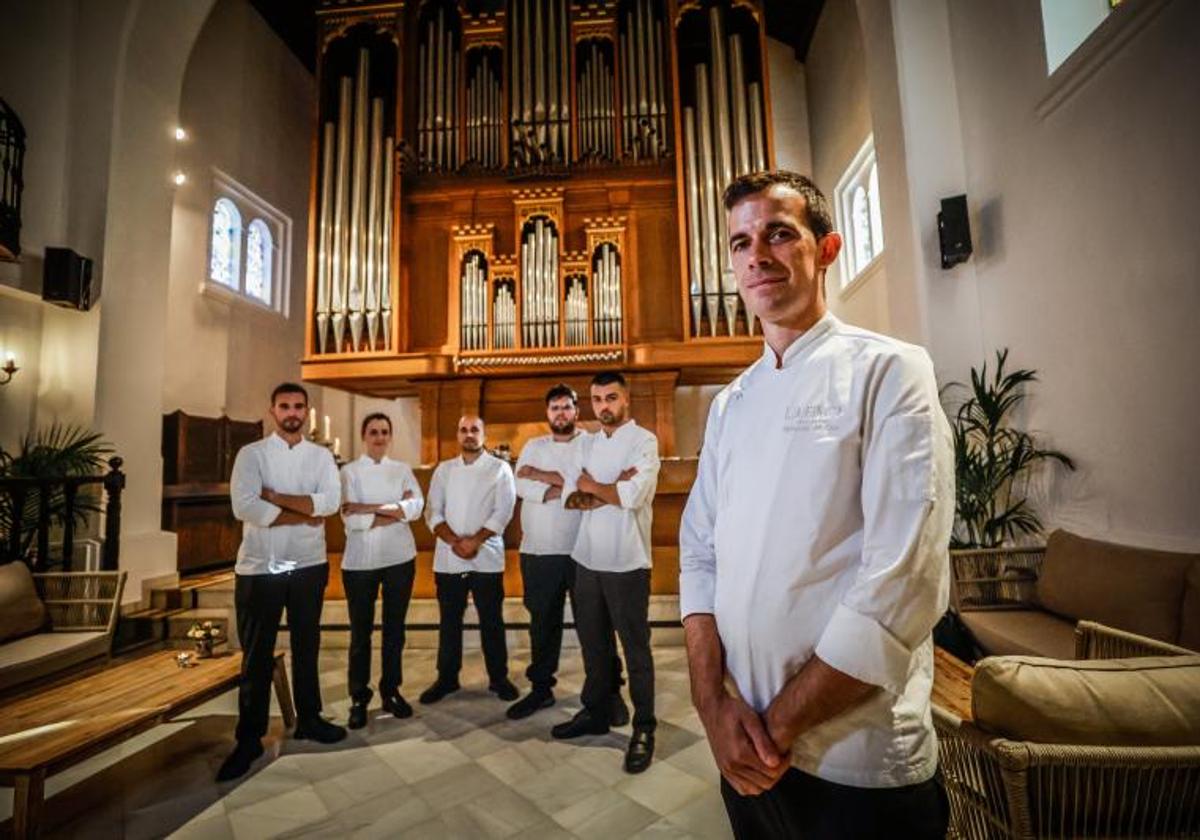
(67, 280)
(954, 231)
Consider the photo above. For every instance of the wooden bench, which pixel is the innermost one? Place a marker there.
(952, 683)
(48, 730)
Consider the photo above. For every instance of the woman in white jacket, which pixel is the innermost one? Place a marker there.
(380, 497)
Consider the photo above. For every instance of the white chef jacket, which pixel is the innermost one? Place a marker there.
(548, 527)
(378, 483)
(617, 539)
(819, 523)
(301, 470)
(468, 497)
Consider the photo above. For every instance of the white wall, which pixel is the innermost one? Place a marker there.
(246, 105)
(1082, 189)
(840, 121)
(789, 108)
(1088, 259)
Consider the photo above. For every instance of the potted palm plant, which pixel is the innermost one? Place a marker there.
(993, 461)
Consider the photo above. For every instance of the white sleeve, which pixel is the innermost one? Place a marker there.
(697, 548)
(902, 586)
(245, 491)
(639, 490)
(413, 506)
(354, 521)
(435, 505)
(328, 497)
(504, 500)
(529, 489)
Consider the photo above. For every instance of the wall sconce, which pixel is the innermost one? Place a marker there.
(179, 178)
(10, 368)
(180, 133)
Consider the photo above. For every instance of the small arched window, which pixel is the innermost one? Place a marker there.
(259, 251)
(859, 218)
(225, 253)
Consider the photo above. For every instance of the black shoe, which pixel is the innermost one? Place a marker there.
(398, 706)
(358, 715)
(437, 691)
(504, 690)
(238, 762)
(582, 724)
(320, 730)
(619, 716)
(530, 703)
(640, 751)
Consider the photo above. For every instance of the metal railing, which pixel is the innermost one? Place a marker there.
(33, 506)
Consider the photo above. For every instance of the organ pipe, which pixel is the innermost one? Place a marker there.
(729, 140)
(355, 216)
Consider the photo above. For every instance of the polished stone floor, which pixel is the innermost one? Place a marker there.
(458, 769)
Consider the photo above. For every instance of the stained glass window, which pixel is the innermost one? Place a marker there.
(225, 254)
(259, 247)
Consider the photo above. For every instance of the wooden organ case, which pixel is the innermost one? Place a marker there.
(510, 193)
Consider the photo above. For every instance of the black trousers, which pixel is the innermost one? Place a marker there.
(615, 601)
(260, 601)
(803, 806)
(487, 590)
(362, 588)
(548, 579)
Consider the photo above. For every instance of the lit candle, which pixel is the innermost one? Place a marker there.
(312, 421)
(326, 435)
(337, 447)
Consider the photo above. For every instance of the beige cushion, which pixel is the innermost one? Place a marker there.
(37, 656)
(1134, 589)
(21, 610)
(1189, 628)
(1021, 632)
(1148, 701)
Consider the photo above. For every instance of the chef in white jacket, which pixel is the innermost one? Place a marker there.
(813, 550)
(380, 497)
(281, 488)
(615, 488)
(548, 532)
(471, 500)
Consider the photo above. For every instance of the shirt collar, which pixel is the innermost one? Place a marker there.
(620, 430)
(826, 323)
(367, 461)
(276, 441)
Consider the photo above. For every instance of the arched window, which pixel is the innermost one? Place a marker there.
(876, 215)
(259, 250)
(858, 214)
(225, 254)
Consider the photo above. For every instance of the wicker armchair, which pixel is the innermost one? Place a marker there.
(83, 609)
(1018, 789)
(995, 578)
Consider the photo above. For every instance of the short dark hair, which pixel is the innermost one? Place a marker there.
(819, 220)
(610, 377)
(562, 390)
(376, 415)
(288, 388)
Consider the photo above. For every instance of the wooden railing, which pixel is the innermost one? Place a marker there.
(33, 505)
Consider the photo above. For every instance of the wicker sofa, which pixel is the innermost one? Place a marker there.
(1026, 601)
(1096, 748)
(54, 620)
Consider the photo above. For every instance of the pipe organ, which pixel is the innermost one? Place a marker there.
(506, 186)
